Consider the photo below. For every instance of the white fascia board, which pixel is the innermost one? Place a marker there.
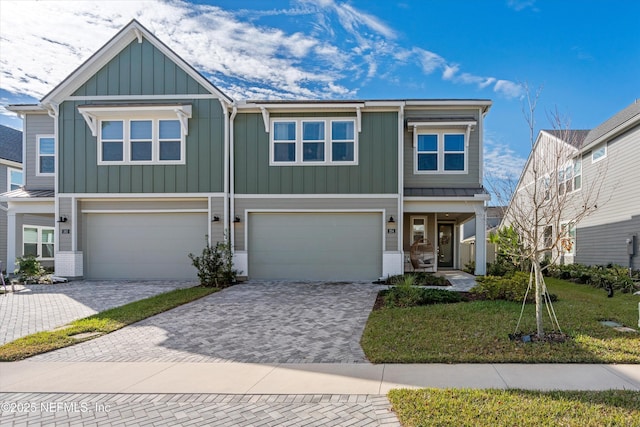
(626, 125)
(133, 31)
(476, 198)
(11, 164)
(475, 103)
(423, 124)
(298, 107)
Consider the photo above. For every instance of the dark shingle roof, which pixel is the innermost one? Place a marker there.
(575, 137)
(617, 120)
(10, 144)
(444, 192)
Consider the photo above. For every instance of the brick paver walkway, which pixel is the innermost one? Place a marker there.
(195, 410)
(35, 308)
(255, 322)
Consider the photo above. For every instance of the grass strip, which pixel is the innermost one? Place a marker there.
(103, 323)
(477, 331)
(466, 407)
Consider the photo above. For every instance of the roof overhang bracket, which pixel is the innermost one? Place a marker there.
(359, 119)
(183, 116)
(138, 34)
(92, 122)
(265, 118)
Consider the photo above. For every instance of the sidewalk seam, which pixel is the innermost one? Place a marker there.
(623, 378)
(493, 365)
(150, 376)
(273, 368)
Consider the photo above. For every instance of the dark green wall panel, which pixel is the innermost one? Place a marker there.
(376, 172)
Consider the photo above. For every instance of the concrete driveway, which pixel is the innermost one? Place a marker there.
(35, 308)
(254, 322)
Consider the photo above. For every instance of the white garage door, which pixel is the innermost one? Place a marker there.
(142, 245)
(315, 246)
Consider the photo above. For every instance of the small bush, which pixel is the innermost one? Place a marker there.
(29, 269)
(215, 266)
(597, 276)
(420, 278)
(509, 288)
(470, 267)
(406, 294)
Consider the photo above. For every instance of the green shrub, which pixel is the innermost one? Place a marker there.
(215, 266)
(29, 269)
(597, 276)
(406, 294)
(470, 267)
(509, 288)
(420, 278)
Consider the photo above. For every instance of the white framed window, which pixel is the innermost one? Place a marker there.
(141, 141)
(418, 228)
(568, 238)
(15, 179)
(38, 241)
(440, 152)
(46, 155)
(570, 177)
(311, 141)
(599, 153)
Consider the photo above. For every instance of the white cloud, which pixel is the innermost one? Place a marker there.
(500, 161)
(509, 89)
(519, 5)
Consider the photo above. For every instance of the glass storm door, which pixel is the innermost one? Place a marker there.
(445, 245)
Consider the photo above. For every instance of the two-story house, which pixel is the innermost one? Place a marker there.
(597, 176)
(150, 157)
(11, 177)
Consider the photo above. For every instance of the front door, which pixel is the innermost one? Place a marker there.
(445, 245)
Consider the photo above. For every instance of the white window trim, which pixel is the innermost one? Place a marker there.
(568, 225)
(328, 160)
(440, 133)
(94, 115)
(426, 227)
(9, 170)
(604, 155)
(38, 155)
(39, 243)
(564, 180)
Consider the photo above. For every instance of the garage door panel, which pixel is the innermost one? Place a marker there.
(142, 246)
(315, 246)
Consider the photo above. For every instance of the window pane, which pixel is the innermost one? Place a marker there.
(141, 150)
(47, 164)
(577, 182)
(342, 130)
(454, 162)
(169, 129)
(313, 131)
(30, 249)
(427, 142)
(47, 236)
(47, 146)
(47, 250)
(342, 152)
(141, 129)
(577, 167)
(284, 152)
(15, 179)
(170, 150)
(427, 162)
(284, 131)
(454, 143)
(313, 152)
(111, 151)
(112, 130)
(30, 235)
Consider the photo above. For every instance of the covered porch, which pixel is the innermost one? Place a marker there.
(436, 220)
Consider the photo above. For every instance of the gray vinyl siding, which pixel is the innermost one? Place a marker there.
(605, 244)
(36, 125)
(619, 192)
(470, 179)
(203, 171)
(140, 69)
(31, 219)
(64, 240)
(390, 206)
(375, 173)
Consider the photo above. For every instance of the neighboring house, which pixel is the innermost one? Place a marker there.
(10, 177)
(601, 174)
(150, 157)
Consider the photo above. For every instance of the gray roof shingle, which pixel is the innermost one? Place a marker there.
(618, 119)
(575, 137)
(10, 144)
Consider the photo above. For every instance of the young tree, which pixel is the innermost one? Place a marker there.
(549, 199)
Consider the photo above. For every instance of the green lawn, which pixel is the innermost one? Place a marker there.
(464, 407)
(477, 332)
(101, 323)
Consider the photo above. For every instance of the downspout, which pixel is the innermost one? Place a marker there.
(400, 230)
(232, 180)
(53, 110)
(225, 216)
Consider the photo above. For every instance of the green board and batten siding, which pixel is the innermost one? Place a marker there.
(141, 69)
(375, 173)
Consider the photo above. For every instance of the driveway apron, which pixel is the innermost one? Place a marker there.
(254, 322)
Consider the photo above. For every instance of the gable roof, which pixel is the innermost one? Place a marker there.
(574, 137)
(618, 123)
(10, 144)
(133, 30)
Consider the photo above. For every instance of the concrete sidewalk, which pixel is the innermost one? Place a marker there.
(310, 378)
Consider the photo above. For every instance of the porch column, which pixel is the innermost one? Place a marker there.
(11, 241)
(481, 241)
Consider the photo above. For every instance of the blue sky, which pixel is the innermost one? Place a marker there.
(584, 54)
